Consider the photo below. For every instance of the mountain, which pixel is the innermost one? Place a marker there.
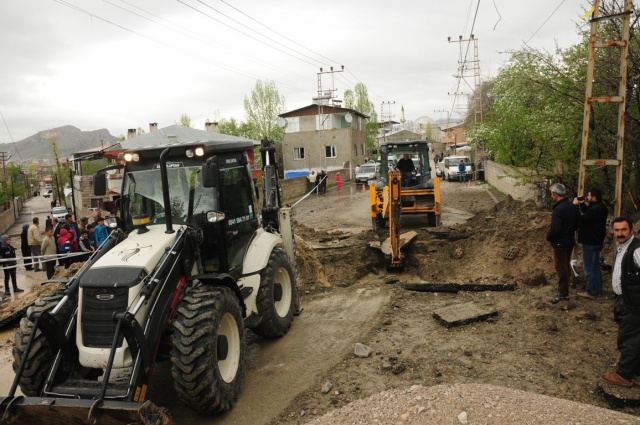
(69, 139)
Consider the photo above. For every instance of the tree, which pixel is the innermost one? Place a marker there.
(234, 127)
(185, 120)
(358, 100)
(262, 109)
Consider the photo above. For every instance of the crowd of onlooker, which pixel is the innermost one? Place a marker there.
(63, 242)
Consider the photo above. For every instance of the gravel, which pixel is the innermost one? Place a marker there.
(469, 404)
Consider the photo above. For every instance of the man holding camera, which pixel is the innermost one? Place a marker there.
(561, 236)
(591, 234)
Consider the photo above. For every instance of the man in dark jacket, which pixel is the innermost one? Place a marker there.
(564, 222)
(593, 222)
(625, 282)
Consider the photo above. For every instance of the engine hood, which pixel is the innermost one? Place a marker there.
(142, 251)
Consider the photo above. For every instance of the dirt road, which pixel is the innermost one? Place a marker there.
(348, 297)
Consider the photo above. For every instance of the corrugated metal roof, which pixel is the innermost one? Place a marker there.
(179, 134)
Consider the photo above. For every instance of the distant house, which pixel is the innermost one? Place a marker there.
(323, 137)
(454, 136)
(398, 136)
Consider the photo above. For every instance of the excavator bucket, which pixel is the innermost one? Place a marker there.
(55, 411)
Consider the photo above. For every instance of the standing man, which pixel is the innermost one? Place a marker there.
(34, 238)
(406, 167)
(564, 222)
(593, 223)
(626, 309)
(462, 171)
(49, 250)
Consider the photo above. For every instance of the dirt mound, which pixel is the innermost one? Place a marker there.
(468, 403)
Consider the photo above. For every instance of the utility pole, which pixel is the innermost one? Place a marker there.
(469, 72)
(386, 116)
(4, 157)
(620, 99)
(329, 98)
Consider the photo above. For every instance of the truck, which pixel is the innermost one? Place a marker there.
(190, 262)
(389, 199)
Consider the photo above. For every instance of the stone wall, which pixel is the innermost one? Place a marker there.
(502, 178)
(8, 217)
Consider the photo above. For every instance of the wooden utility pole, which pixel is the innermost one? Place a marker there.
(620, 99)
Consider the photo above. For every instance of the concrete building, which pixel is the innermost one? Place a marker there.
(323, 137)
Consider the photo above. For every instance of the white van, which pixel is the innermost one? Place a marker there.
(449, 167)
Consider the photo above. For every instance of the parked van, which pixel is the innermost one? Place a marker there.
(449, 167)
(368, 171)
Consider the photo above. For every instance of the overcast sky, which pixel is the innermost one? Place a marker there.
(121, 64)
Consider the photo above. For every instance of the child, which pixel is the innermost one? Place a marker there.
(49, 250)
(8, 253)
(64, 248)
(85, 245)
(101, 232)
(91, 236)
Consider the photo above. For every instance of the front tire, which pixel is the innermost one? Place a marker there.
(208, 349)
(40, 358)
(276, 297)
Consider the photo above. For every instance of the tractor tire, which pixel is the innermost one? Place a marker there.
(276, 299)
(432, 219)
(40, 358)
(208, 349)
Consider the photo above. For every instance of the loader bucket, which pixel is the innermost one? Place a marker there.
(55, 411)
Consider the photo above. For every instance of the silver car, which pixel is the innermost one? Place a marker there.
(368, 171)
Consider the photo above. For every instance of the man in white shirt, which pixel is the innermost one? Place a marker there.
(626, 311)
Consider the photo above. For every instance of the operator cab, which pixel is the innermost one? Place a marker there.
(220, 200)
(418, 151)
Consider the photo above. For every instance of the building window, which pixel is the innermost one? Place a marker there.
(355, 150)
(324, 122)
(362, 149)
(293, 125)
(330, 152)
(298, 153)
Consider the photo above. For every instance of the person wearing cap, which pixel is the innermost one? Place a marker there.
(561, 235)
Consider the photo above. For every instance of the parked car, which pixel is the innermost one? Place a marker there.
(59, 212)
(48, 193)
(368, 171)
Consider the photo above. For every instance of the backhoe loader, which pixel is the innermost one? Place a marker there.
(188, 263)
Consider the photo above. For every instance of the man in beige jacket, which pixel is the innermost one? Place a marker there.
(35, 240)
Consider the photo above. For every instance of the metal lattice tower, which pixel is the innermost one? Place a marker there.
(469, 73)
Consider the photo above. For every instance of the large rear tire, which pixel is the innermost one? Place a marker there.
(276, 299)
(40, 358)
(208, 349)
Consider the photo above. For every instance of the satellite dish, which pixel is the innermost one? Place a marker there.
(282, 123)
(348, 118)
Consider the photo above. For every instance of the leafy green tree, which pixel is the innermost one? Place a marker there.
(185, 120)
(358, 100)
(262, 109)
(234, 127)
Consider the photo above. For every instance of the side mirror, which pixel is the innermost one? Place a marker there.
(210, 173)
(99, 184)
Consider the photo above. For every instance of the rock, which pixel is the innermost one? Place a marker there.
(399, 369)
(326, 387)
(462, 417)
(362, 350)
(457, 253)
(386, 366)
